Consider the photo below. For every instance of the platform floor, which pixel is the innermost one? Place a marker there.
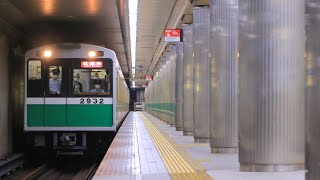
(146, 148)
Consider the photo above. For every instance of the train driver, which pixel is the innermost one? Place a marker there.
(55, 82)
(97, 86)
(77, 86)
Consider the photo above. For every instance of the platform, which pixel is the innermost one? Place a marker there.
(146, 148)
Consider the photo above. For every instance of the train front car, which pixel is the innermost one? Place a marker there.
(75, 97)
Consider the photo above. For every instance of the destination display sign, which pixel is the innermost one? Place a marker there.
(91, 64)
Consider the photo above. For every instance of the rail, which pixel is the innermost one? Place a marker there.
(11, 164)
(36, 173)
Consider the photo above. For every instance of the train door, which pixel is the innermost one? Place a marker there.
(56, 88)
(35, 94)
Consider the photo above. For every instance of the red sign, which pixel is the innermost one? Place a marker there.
(91, 64)
(172, 35)
(148, 78)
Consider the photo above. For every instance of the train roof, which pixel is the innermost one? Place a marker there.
(76, 50)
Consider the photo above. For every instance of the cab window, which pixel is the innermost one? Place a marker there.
(55, 80)
(34, 88)
(91, 78)
(91, 82)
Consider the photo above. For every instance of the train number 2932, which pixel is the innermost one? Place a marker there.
(91, 101)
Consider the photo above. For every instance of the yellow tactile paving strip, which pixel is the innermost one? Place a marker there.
(176, 160)
(181, 150)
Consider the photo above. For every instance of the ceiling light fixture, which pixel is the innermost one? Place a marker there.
(133, 6)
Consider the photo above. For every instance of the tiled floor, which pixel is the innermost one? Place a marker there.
(146, 148)
(132, 154)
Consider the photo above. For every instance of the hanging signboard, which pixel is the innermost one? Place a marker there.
(148, 78)
(172, 35)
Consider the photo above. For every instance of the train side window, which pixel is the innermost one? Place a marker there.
(34, 87)
(55, 80)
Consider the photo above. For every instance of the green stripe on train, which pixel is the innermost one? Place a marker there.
(69, 115)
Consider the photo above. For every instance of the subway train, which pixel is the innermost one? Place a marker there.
(75, 97)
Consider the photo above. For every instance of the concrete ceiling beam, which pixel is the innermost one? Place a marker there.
(123, 11)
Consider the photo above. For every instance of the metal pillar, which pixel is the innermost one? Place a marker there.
(172, 85)
(312, 90)
(179, 86)
(187, 122)
(163, 91)
(162, 95)
(160, 98)
(166, 89)
(5, 141)
(156, 100)
(151, 97)
(201, 44)
(271, 85)
(146, 96)
(224, 76)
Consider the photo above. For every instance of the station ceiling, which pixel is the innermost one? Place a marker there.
(102, 22)
(154, 16)
(39, 22)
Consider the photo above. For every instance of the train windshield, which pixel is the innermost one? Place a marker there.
(92, 78)
(91, 82)
(70, 78)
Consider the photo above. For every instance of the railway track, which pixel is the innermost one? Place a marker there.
(58, 170)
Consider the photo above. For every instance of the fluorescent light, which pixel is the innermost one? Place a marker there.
(133, 71)
(133, 6)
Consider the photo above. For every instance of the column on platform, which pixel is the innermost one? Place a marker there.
(166, 90)
(172, 85)
(156, 98)
(201, 44)
(179, 86)
(271, 85)
(160, 98)
(5, 141)
(312, 58)
(146, 98)
(152, 99)
(162, 95)
(163, 92)
(224, 76)
(188, 66)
